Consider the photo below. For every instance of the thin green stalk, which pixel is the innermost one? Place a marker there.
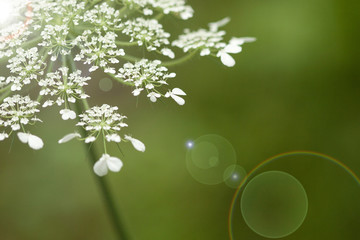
(5, 95)
(179, 60)
(31, 42)
(5, 88)
(118, 225)
(130, 58)
(126, 44)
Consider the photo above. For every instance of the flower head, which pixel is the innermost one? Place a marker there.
(67, 88)
(147, 76)
(25, 67)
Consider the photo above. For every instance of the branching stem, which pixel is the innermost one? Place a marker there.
(81, 106)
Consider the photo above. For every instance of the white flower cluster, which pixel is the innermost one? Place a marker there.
(103, 16)
(67, 87)
(25, 67)
(98, 50)
(148, 75)
(104, 121)
(176, 7)
(148, 32)
(15, 113)
(15, 34)
(41, 39)
(55, 40)
(210, 42)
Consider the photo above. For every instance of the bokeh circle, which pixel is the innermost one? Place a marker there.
(208, 158)
(233, 175)
(274, 204)
(105, 84)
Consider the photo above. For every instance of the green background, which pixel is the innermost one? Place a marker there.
(296, 88)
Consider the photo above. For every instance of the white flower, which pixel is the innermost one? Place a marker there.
(3, 136)
(146, 74)
(225, 57)
(67, 114)
(210, 42)
(105, 163)
(137, 144)
(90, 139)
(154, 96)
(98, 49)
(33, 141)
(113, 138)
(148, 32)
(67, 87)
(25, 67)
(234, 46)
(17, 111)
(174, 94)
(69, 137)
(168, 52)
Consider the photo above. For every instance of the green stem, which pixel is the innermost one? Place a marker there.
(130, 58)
(126, 44)
(179, 60)
(5, 95)
(118, 225)
(31, 42)
(5, 88)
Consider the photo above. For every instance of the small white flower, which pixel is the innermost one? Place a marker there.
(154, 96)
(174, 94)
(146, 74)
(67, 114)
(147, 11)
(225, 57)
(137, 144)
(113, 138)
(137, 91)
(90, 139)
(33, 141)
(69, 137)
(168, 52)
(105, 163)
(3, 136)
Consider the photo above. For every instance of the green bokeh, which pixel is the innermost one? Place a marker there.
(297, 87)
(274, 204)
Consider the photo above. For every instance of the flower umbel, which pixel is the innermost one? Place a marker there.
(124, 39)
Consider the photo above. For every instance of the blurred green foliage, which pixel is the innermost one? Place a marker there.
(296, 88)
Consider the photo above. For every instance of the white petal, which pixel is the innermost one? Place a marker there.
(153, 98)
(35, 142)
(214, 26)
(137, 144)
(23, 137)
(240, 41)
(227, 60)
(69, 137)
(178, 91)
(72, 115)
(100, 167)
(67, 114)
(3, 136)
(114, 164)
(205, 52)
(178, 99)
(232, 48)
